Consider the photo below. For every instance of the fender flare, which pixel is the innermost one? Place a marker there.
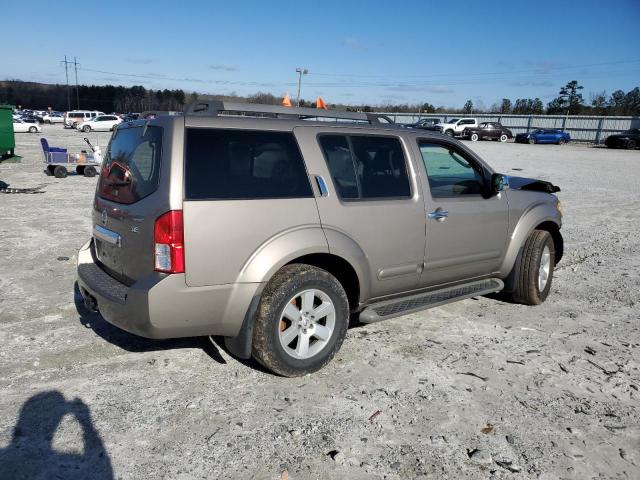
(534, 216)
(261, 266)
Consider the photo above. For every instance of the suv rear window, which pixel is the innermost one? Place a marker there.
(242, 164)
(364, 167)
(131, 167)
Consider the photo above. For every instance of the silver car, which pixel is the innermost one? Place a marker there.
(270, 226)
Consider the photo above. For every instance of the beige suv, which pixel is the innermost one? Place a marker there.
(270, 226)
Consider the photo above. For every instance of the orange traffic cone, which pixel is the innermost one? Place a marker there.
(320, 104)
(286, 101)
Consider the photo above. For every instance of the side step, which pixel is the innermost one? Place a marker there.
(401, 306)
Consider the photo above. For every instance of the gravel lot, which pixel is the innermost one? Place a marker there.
(554, 391)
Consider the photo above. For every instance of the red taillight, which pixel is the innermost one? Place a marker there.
(168, 237)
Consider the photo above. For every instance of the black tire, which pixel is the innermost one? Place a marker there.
(48, 172)
(60, 172)
(86, 129)
(80, 169)
(90, 171)
(562, 141)
(526, 285)
(33, 129)
(532, 141)
(631, 145)
(474, 137)
(503, 138)
(449, 133)
(284, 285)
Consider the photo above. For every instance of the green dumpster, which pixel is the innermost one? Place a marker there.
(7, 138)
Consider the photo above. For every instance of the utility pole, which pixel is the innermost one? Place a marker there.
(300, 72)
(75, 64)
(66, 72)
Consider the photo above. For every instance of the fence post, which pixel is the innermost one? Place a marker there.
(529, 124)
(564, 123)
(599, 132)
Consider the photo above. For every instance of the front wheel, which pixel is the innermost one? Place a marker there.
(532, 141)
(33, 129)
(449, 133)
(86, 129)
(503, 138)
(631, 145)
(562, 141)
(301, 320)
(535, 270)
(90, 171)
(474, 137)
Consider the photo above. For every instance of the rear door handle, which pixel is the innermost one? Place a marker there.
(439, 215)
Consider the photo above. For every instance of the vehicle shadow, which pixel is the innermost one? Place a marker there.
(30, 455)
(134, 343)
(212, 346)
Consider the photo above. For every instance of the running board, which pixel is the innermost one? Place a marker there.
(414, 303)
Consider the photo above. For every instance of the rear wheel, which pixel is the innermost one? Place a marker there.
(532, 140)
(48, 171)
(90, 171)
(503, 138)
(301, 321)
(535, 270)
(33, 129)
(60, 172)
(562, 141)
(474, 137)
(449, 133)
(631, 145)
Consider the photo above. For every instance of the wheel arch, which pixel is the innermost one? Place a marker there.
(542, 216)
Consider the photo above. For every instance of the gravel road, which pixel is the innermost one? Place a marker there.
(475, 389)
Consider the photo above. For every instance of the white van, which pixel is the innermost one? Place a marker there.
(74, 117)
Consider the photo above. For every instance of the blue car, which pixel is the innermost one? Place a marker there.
(544, 136)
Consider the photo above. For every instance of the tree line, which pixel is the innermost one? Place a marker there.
(110, 98)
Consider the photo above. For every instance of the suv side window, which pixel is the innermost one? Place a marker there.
(366, 167)
(242, 164)
(450, 174)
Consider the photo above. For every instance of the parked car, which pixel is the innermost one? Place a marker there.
(31, 118)
(20, 126)
(456, 126)
(209, 224)
(489, 131)
(425, 123)
(71, 119)
(544, 136)
(102, 123)
(129, 117)
(54, 117)
(628, 139)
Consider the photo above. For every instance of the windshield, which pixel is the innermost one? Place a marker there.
(131, 167)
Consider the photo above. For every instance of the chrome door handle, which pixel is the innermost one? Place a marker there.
(322, 186)
(438, 214)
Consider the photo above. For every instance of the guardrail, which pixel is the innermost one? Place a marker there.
(582, 128)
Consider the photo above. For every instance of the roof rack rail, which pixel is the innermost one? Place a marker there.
(216, 107)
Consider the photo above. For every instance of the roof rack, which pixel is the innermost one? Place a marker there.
(217, 107)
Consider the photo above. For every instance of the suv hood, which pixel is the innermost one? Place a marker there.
(532, 184)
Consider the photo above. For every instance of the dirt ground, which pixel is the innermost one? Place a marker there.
(475, 389)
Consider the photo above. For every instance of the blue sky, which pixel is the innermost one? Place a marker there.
(441, 52)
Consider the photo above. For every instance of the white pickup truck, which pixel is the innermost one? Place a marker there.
(455, 127)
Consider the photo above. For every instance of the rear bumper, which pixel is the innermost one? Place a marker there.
(163, 306)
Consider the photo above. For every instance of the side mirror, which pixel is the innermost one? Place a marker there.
(499, 183)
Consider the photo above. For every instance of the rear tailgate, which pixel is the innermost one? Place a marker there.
(125, 209)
